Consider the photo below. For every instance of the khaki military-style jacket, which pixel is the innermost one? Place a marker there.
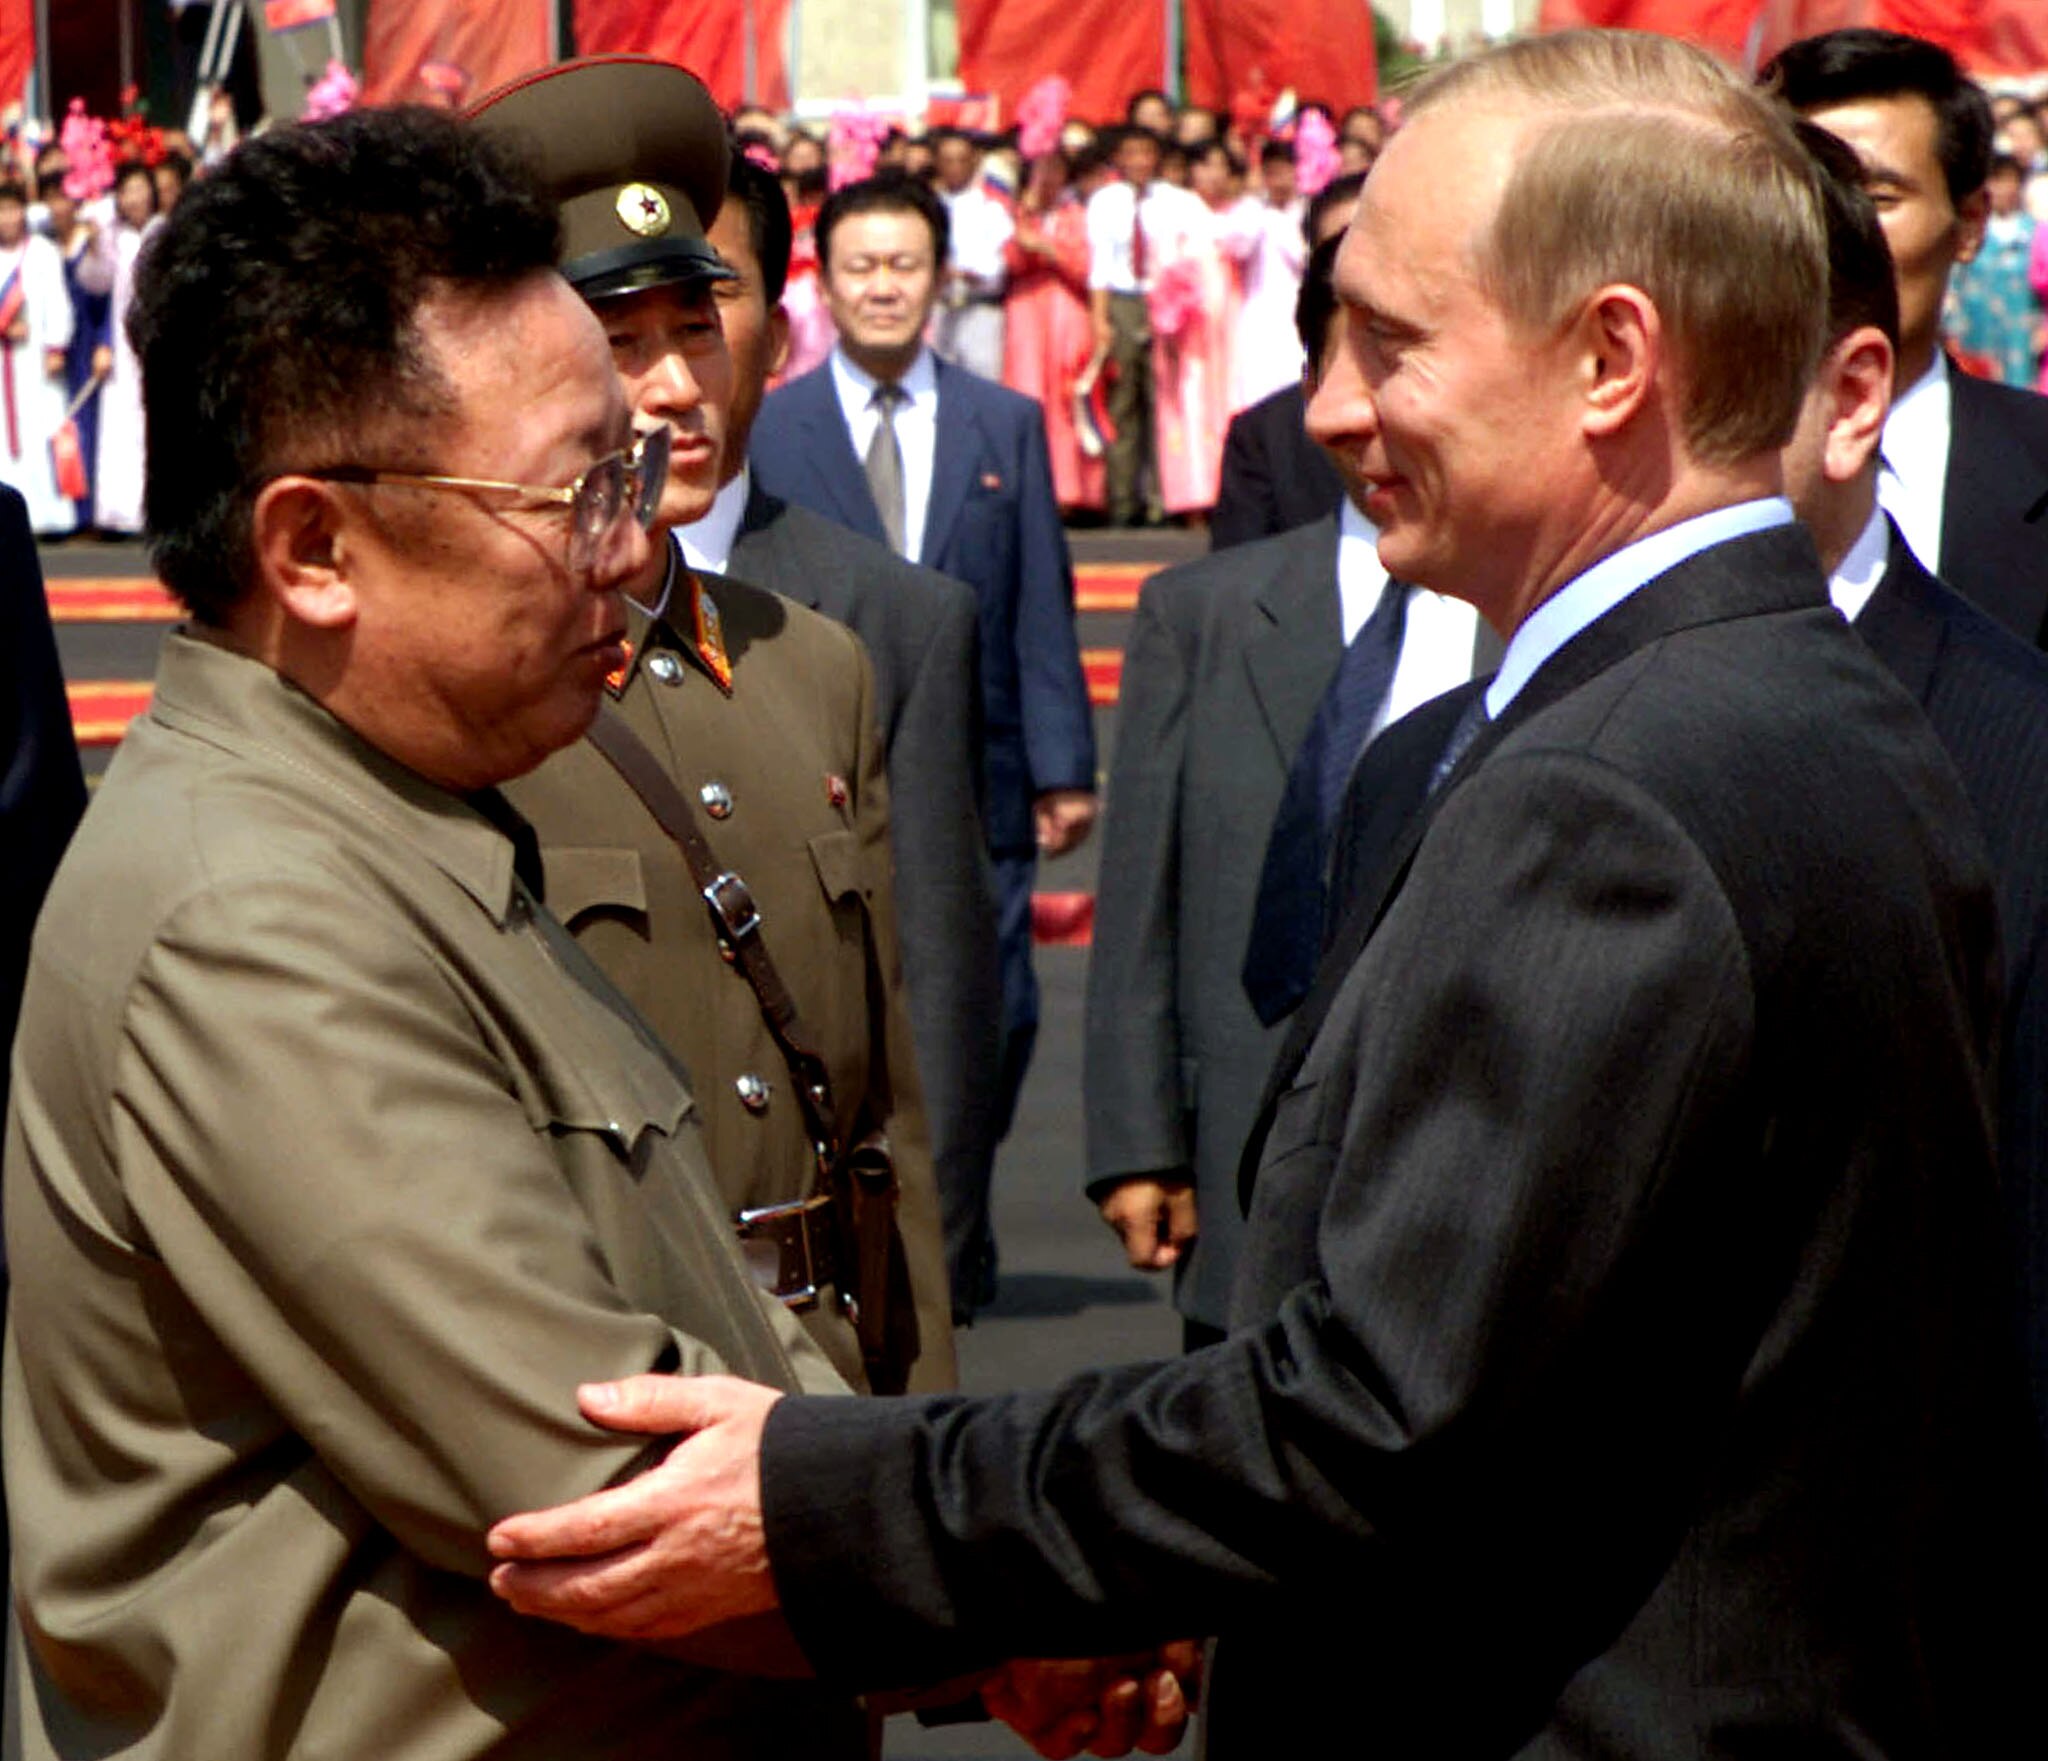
(784, 773)
(333, 1169)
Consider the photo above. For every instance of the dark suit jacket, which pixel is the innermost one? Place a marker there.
(1987, 695)
(1994, 519)
(42, 790)
(921, 632)
(1274, 477)
(991, 521)
(1618, 1371)
(1227, 660)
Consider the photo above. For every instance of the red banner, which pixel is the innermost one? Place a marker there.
(1105, 49)
(710, 39)
(17, 50)
(449, 52)
(1987, 36)
(1723, 26)
(1319, 49)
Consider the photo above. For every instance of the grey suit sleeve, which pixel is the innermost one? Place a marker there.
(1135, 1102)
(944, 898)
(1524, 1305)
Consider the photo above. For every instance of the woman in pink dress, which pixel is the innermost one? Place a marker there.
(1195, 297)
(1048, 339)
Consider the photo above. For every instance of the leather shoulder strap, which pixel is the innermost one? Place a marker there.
(734, 920)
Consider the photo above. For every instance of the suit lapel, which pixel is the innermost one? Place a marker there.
(955, 457)
(1994, 499)
(762, 550)
(1773, 570)
(1297, 636)
(1900, 623)
(828, 454)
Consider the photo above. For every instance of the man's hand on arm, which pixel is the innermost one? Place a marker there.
(678, 1549)
(1155, 1216)
(1064, 819)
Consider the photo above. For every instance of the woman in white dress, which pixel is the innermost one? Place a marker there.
(118, 479)
(35, 330)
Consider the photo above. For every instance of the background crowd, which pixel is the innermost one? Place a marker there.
(1140, 334)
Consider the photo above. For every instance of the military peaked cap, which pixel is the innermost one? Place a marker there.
(634, 152)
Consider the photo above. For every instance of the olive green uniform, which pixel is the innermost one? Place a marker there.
(333, 1169)
(784, 773)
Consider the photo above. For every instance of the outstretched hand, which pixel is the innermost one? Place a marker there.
(680, 1548)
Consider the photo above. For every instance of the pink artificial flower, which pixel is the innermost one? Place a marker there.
(1316, 159)
(333, 95)
(854, 144)
(88, 152)
(1041, 114)
(1175, 299)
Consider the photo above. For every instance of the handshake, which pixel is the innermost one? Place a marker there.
(678, 1558)
(1102, 1706)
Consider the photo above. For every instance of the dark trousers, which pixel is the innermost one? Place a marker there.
(970, 1235)
(1133, 477)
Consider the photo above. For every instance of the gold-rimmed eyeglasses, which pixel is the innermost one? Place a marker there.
(625, 482)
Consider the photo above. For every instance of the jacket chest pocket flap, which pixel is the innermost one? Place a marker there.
(836, 857)
(591, 1073)
(586, 881)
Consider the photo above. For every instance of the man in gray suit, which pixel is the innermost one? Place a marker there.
(1229, 658)
(921, 630)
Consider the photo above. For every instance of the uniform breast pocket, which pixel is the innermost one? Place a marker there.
(588, 885)
(836, 857)
(595, 1082)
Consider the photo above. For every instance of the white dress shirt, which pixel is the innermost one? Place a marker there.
(1168, 216)
(980, 226)
(1596, 592)
(1914, 475)
(917, 432)
(1437, 634)
(707, 543)
(1856, 577)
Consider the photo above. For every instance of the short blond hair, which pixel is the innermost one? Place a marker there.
(1659, 170)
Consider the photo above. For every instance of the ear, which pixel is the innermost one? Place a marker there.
(302, 539)
(1973, 215)
(778, 339)
(1619, 339)
(1857, 375)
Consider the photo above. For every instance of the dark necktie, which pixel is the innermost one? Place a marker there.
(1138, 264)
(1466, 730)
(885, 464)
(1287, 920)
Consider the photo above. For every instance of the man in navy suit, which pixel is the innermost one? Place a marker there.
(951, 472)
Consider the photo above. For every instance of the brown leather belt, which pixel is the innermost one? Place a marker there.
(790, 1249)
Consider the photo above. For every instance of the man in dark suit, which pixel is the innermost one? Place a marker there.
(42, 790)
(1965, 462)
(1274, 477)
(1985, 691)
(1618, 1366)
(961, 466)
(1228, 661)
(922, 632)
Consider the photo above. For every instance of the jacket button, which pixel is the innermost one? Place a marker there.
(666, 668)
(753, 1092)
(717, 799)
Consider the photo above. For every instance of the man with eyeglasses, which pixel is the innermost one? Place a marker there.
(762, 715)
(334, 1164)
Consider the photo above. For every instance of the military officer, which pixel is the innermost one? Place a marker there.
(761, 712)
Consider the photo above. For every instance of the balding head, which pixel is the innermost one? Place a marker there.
(1647, 163)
